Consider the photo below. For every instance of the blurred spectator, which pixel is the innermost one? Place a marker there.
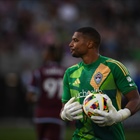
(13, 98)
(68, 12)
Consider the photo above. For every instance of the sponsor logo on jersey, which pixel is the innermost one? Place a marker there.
(98, 77)
(84, 93)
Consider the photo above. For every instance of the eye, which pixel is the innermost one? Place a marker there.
(75, 40)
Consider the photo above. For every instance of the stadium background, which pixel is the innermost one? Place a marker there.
(27, 26)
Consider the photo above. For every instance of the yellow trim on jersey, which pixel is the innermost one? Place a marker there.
(120, 65)
(118, 99)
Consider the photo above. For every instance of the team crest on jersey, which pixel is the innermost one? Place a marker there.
(98, 77)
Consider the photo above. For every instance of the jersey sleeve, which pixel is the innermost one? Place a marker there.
(123, 79)
(66, 90)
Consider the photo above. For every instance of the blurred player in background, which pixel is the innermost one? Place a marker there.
(97, 72)
(45, 91)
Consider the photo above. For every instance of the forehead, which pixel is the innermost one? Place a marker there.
(78, 35)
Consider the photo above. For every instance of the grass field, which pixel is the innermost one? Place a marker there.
(16, 133)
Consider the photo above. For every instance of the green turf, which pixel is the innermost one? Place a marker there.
(15, 133)
(133, 135)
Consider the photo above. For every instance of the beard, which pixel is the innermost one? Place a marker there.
(75, 55)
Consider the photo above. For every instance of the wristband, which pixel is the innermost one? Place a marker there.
(125, 113)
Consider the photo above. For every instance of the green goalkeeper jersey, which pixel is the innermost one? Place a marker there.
(107, 75)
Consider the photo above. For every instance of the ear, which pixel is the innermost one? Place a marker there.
(90, 44)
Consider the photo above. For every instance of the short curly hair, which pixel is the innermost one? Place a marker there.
(92, 33)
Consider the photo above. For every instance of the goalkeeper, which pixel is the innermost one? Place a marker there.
(97, 72)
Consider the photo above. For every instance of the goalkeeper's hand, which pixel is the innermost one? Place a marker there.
(111, 117)
(72, 110)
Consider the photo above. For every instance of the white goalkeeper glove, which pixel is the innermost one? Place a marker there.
(111, 117)
(72, 110)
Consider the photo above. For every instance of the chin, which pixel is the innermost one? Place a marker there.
(75, 56)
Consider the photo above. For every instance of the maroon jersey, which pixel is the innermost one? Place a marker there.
(47, 84)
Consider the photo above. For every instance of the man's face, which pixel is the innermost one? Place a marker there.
(79, 45)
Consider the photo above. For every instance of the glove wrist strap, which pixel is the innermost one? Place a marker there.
(124, 113)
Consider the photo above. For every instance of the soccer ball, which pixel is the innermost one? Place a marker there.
(95, 101)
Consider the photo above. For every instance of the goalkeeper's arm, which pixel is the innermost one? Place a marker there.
(72, 110)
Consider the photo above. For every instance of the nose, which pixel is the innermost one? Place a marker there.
(71, 44)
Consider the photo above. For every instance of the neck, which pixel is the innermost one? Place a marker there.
(90, 58)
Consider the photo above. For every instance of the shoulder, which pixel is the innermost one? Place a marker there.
(73, 68)
(116, 65)
(112, 62)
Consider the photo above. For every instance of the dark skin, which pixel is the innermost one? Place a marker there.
(84, 47)
(133, 103)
